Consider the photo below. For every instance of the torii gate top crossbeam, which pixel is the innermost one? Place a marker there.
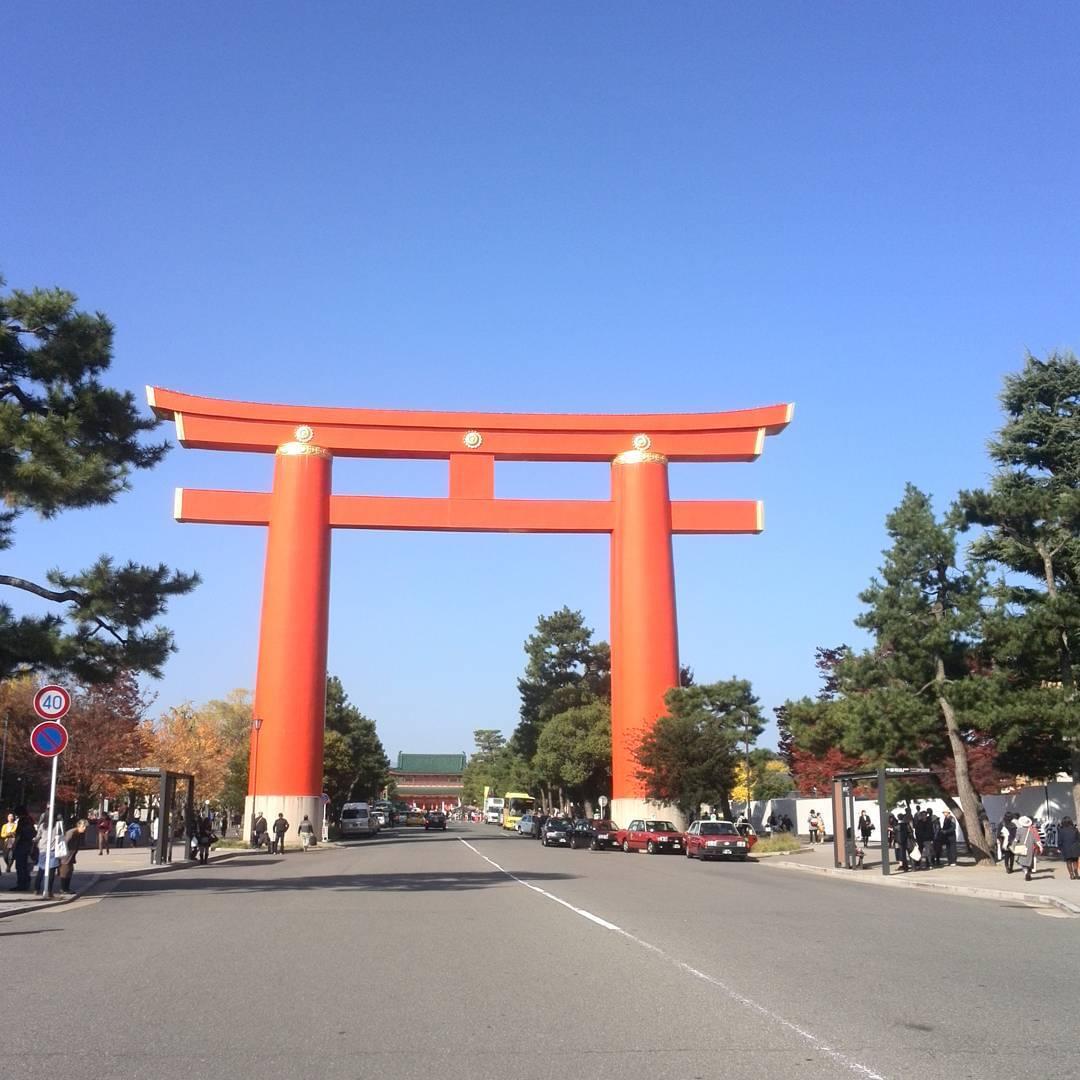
(215, 424)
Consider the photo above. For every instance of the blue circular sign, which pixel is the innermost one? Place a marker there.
(49, 738)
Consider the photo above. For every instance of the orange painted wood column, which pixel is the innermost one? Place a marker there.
(644, 632)
(285, 770)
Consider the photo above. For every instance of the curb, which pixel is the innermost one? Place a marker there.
(973, 891)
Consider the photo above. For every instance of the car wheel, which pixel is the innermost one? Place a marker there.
(650, 847)
(626, 846)
(594, 846)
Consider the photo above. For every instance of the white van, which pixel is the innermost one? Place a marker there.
(357, 820)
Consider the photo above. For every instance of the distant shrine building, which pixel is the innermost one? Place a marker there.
(429, 781)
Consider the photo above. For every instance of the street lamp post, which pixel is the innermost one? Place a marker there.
(256, 725)
(746, 733)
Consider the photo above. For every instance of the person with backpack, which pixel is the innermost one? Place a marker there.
(1068, 838)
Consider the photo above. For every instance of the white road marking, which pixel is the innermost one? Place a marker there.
(818, 1044)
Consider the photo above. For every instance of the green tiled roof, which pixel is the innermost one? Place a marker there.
(424, 789)
(450, 764)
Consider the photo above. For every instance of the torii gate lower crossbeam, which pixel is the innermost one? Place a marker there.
(300, 511)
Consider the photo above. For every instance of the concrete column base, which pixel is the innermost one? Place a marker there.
(294, 807)
(623, 811)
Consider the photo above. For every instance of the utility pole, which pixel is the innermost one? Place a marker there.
(3, 754)
(746, 733)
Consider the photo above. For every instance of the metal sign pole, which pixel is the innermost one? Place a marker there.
(46, 881)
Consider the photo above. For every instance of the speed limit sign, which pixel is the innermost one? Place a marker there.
(51, 702)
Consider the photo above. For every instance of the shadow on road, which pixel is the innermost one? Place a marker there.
(418, 881)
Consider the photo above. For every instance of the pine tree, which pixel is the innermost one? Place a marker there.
(1031, 516)
(915, 697)
(691, 754)
(67, 441)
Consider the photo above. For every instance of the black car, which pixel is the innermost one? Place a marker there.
(582, 835)
(605, 834)
(435, 819)
(557, 832)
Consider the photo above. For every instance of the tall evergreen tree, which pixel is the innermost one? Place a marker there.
(67, 441)
(691, 755)
(915, 697)
(564, 670)
(1031, 516)
(355, 764)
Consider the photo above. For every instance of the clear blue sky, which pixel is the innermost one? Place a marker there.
(870, 210)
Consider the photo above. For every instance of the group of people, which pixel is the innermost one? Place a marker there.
(26, 845)
(783, 823)
(922, 840)
(1019, 840)
(273, 838)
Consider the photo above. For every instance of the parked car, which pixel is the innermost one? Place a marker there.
(582, 833)
(435, 819)
(414, 817)
(557, 832)
(718, 840)
(651, 836)
(528, 825)
(357, 820)
(605, 835)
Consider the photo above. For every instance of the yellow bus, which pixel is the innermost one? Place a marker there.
(516, 804)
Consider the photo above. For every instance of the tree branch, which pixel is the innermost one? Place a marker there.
(60, 596)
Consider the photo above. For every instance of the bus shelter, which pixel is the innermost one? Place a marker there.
(161, 848)
(843, 806)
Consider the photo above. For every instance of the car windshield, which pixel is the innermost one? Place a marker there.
(718, 828)
(558, 824)
(659, 826)
(605, 826)
(353, 812)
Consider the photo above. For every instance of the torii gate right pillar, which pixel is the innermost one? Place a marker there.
(644, 633)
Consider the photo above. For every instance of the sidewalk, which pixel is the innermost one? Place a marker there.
(91, 868)
(1050, 886)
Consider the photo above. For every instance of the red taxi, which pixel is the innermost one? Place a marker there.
(718, 840)
(651, 836)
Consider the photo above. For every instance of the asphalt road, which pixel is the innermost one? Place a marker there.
(474, 954)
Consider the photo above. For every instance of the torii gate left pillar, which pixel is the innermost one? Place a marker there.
(285, 771)
(285, 774)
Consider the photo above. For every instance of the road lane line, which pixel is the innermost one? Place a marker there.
(818, 1044)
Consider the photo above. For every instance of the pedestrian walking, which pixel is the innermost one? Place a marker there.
(134, 833)
(104, 828)
(924, 837)
(946, 841)
(7, 840)
(121, 832)
(1006, 836)
(281, 827)
(73, 839)
(262, 833)
(1068, 838)
(866, 827)
(307, 833)
(1027, 846)
(22, 848)
(904, 840)
(56, 849)
(204, 837)
(155, 832)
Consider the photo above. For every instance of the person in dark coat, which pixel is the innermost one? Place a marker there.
(866, 827)
(1069, 846)
(74, 840)
(25, 830)
(904, 840)
(1007, 835)
(924, 837)
(946, 839)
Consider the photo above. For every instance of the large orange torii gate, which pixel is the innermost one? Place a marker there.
(301, 509)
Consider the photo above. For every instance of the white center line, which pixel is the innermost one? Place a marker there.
(818, 1044)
